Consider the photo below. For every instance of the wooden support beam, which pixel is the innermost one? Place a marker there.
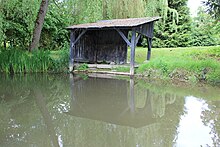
(71, 60)
(149, 43)
(80, 35)
(138, 37)
(132, 57)
(123, 36)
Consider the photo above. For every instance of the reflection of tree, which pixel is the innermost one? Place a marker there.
(166, 106)
(172, 118)
(157, 99)
(40, 100)
(21, 123)
(211, 118)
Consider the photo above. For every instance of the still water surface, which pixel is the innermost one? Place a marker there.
(79, 111)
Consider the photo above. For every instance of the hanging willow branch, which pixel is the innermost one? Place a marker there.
(93, 10)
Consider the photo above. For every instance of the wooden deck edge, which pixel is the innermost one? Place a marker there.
(107, 66)
(111, 72)
(103, 72)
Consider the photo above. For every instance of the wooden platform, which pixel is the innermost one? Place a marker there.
(106, 69)
(107, 66)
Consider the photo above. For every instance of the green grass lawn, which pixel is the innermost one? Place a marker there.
(176, 53)
(189, 63)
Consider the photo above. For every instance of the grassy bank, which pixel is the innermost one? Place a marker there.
(184, 64)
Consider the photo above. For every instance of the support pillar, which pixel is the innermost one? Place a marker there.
(132, 57)
(149, 43)
(72, 46)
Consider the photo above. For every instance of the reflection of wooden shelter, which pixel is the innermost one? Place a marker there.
(115, 102)
(107, 41)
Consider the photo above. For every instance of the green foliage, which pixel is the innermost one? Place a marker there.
(174, 30)
(18, 61)
(206, 31)
(54, 35)
(1, 24)
(88, 11)
(93, 10)
(17, 21)
(83, 66)
(213, 8)
(213, 77)
(18, 18)
(122, 69)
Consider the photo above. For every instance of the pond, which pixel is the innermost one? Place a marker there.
(66, 111)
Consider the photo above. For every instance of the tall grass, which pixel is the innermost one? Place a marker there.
(19, 61)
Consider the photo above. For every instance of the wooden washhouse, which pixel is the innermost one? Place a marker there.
(107, 41)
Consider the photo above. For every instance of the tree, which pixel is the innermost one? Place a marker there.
(205, 30)
(39, 24)
(53, 34)
(213, 8)
(16, 22)
(175, 29)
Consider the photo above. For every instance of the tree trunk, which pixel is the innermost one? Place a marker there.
(39, 25)
(5, 44)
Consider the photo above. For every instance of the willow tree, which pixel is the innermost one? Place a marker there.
(136, 8)
(87, 11)
(176, 26)
(92, 10)
(126, 8)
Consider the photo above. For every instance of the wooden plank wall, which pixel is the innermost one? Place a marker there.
(102, 46)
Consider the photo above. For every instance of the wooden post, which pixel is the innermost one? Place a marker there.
(149, 42)
(72, 46)
(132, 57)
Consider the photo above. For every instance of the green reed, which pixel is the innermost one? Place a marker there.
(19, 61)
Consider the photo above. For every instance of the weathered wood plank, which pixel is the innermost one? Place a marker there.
(132, 56)
(80, 35)
(101, 47)
(146, 29)
(104, 72)
(149, 43)
(71, 60)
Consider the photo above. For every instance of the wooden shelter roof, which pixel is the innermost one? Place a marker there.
(128, 23)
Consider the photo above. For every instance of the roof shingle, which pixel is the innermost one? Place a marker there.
(130, 22)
